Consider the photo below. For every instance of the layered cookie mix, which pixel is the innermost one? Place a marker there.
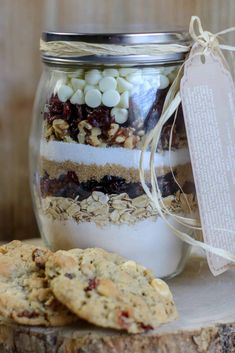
(95, 124)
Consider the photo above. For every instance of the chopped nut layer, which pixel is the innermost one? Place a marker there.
(69, 122)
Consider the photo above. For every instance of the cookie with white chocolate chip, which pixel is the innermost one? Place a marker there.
(25, 295)
(107, 290)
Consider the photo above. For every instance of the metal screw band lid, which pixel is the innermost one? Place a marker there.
(145, 41)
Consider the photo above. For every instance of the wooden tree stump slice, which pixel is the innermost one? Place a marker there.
(206, 323)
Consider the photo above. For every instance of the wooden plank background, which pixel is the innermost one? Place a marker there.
(21, 22)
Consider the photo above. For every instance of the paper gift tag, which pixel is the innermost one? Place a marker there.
(208, 99)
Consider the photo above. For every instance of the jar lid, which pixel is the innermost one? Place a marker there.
(180, 38)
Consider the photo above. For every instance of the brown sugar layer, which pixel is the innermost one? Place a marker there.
(85, 172)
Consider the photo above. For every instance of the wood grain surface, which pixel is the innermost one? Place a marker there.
(21, 23)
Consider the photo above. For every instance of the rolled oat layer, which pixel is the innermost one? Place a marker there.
(103, 209)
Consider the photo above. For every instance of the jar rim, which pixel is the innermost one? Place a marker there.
(123, 39)
(166, 37)
(131, 60)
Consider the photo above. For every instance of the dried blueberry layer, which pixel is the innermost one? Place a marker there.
(68, 185)
(66, 121)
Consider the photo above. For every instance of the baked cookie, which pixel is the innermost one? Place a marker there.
(25, 295)
(107, 290)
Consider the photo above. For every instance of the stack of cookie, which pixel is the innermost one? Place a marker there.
(38, 287)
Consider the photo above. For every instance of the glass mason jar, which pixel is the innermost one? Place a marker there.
(91, 117)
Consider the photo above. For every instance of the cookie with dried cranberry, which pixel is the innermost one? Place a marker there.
(107, 290)
(25, 295)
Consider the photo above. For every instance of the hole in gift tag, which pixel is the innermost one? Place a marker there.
(203, 59)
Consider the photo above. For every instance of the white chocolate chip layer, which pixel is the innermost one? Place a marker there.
(78, 97)
(120, 115)
(124, 100)
(111, 72)
(93, 98)
(124, 85)
(92, 77)
(126, 71)
(135, 77)
(64, 93)
(78, 83)
(107, 83)
(111, 98)
(88, 88)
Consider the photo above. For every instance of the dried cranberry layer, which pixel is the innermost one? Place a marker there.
(68, 185)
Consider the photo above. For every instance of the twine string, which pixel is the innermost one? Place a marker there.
(205, 41)
(65, 49)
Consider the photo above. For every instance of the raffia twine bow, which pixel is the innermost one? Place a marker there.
(68, 49)
(205, 41)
